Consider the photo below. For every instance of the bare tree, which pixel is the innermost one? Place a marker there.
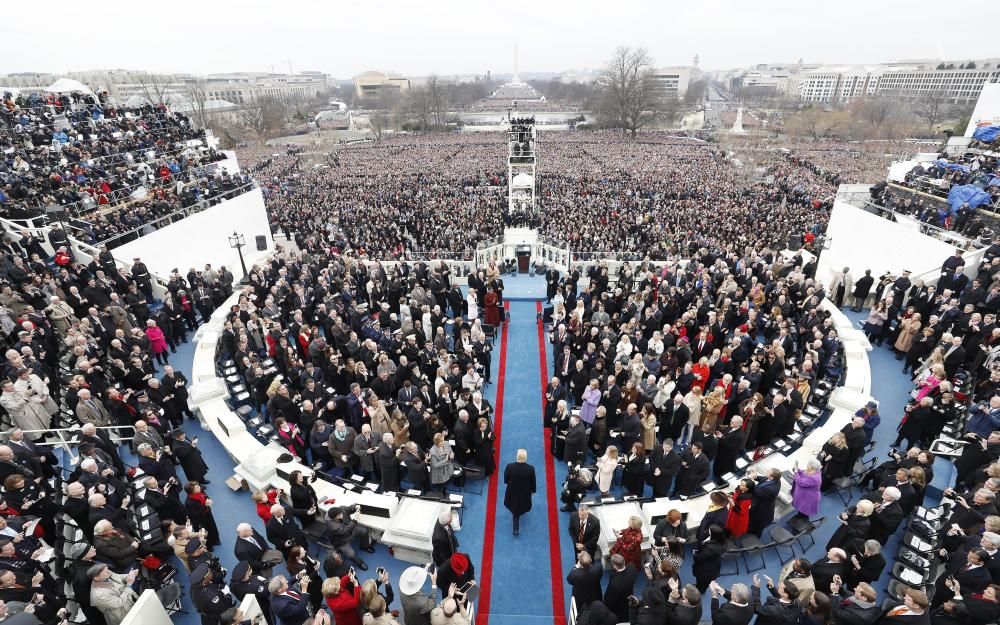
(436, 99)
(669, 108)
(197, 96)
(628, 99)
(378, 120)
(155, 87)
(815, 123)
(419, 101)
(933, 108)
(876, 111)
(263, 116)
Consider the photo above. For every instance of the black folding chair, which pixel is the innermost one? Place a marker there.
(753, 547)
(780, 537)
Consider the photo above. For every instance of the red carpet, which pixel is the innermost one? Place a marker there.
(555, 561)
(485, 579)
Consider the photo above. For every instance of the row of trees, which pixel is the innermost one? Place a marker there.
(880, 117)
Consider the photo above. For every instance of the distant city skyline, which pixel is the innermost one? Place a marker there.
(471, 38)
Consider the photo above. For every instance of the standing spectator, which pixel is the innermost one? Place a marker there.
(708, 558)
(111, 593)
(834, 459)
(737, 611)
(807, 495)
(585, 578)
(738, 521)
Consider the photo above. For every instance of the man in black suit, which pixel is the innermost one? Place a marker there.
(857, 608)
(868, 566)
(665, 464)
(611, 398)
(584, 530)
(954, 356)
(621, 584)
(388, 463)
(966, 568)
(888, 515)
(676, 415)
(283, 532)
(737, 611)
(730, 446)
(781, 608)
(765, 495)
(250, 547)
(443, 541)
(585, 578)
(833, 565)
(164, 500)
(913, 610)
(694, 470)
(684, 606)
(854, 432)
(551, 283)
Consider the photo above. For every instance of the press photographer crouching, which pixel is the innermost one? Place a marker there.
(575, 487)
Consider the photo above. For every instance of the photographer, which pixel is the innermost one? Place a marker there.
(342, 527)
(575, 487)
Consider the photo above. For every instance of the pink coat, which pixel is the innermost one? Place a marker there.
(156, 340)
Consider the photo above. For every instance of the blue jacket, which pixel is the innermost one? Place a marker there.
(288, 611)
(982, 422)
(871, 422)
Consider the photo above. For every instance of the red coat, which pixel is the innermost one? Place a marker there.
(704, 372)
(739, 515)
(157, 342)
(492, 311)
(264, 509)
(629, 546)
(344, 605)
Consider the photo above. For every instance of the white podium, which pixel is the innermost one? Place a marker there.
(411, 529)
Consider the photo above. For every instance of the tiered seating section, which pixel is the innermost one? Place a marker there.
(110, 169)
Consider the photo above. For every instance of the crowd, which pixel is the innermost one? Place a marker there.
(440, 196)
(677, 370)
(110, 169)
(970, 214)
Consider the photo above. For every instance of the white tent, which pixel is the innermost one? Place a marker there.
(68, 85)
(524, 180)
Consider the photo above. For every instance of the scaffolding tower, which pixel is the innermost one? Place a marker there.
(521, 160)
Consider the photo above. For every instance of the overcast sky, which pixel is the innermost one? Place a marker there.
(455, 37)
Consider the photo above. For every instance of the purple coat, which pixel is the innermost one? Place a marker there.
(806, 497)
(591, 400)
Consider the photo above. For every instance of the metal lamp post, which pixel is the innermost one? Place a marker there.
(237, 241)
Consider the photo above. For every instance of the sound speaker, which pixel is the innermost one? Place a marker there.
(795, 242)
(261, 242)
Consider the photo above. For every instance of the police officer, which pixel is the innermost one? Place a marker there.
(198, 555)
(210, 598)
(244, 583)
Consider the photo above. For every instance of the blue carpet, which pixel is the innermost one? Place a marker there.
(524, 558)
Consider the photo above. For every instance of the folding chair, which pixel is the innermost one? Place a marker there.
(753, 547)
(474, 474)
(732, 554)
(804, 529)
(780, 537)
